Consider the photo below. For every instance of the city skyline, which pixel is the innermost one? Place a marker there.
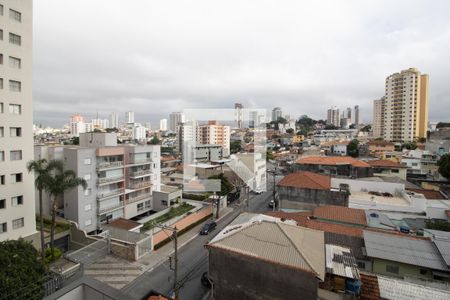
(295, 61)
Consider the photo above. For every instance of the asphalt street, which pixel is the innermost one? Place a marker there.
(193, 259)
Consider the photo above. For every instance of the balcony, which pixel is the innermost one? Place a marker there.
(109, 165)
(138, 160)
(110, 193)
(140, 173)
(102, 210)
(139, 197)
(140, 185)
(105, 180)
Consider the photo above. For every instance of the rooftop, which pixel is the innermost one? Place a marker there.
(380, 143)
(276, 242)
(341, 262)
(125, 224)
(404, 249)
(307, 180)
(356, 196)
(385, 163)
(429, 194)
(332, 160)
(341, 214)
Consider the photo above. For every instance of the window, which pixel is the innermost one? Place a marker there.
(3, 227)
(2, 131)
(1, 107)
(87, 161)
(2, 203)
(361, 265)
(17, 177)
(15, 62)
(140, 207)
(2, 155)
(18, 200)
(15, 15)
(15, 109)
(148, 204)
(87, 207)
(1, 34)
(423, 271)
(87, 222)
(15, 155)
(392, 269)
(15, 39)
(2, 179)
(15, 131)
(87, 177)
(15, 86)
(1, 9)
(1, 59)
(87, 192)
(17, 223)
(1, 84)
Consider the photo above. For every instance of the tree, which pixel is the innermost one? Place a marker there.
(22, 274)
(290, 130)
(235, 146)
(269, 155)
(42, 170)
(75, 140)
(409, 145)
(60, 181)
(366, 128)
(331, 127)
(154, 141)
(437, 225)
(352, 148)
(422, 140)
(444, 166)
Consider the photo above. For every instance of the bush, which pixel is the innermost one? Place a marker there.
(48, 254)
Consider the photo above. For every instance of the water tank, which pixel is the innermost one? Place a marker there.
(353, 286)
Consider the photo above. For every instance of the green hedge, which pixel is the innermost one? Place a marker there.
(181, 232)
(196, 197)
(173, 212)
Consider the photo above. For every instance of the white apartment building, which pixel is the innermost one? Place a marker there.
(378, 115)
(175, 119)
(406, 106)
(276, 113)
(114, 120)
(333, 117)
(17, 198)
(121, 179)
(139, 133)
(357, 120)
(129, 117)
(238, 114)
(163, 124)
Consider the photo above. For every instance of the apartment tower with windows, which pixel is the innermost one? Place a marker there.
(17, 202)
(406, 106)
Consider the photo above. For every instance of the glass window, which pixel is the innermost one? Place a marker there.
(18, 200)
(15, 39)
(15, 155)
(2, 131)
(15, 131)
(2, 155)
(17, 177)
(15, 109)
(3, 227)
(15, 15)
(2, 203)
(15, 62)
(15, 86)
(1, 59)
(2, 179)
(87, 161)
(18, 223)
(392, 269)
(140, 207)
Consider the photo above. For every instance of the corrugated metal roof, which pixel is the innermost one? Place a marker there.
(285, 244)
(391, 288)
(340, 261)
(417, 252)
(442, 241)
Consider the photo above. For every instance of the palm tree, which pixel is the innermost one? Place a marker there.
(42, 170)
(60, 181)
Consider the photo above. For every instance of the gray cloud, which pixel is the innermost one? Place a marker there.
(155, 57)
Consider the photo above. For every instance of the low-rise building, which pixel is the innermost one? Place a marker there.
(384, 167)
(342, 166)
(378, 147)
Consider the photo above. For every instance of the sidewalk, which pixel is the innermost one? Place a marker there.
(157, 257)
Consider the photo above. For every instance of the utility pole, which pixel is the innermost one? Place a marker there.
(175, 256)
(217, 200)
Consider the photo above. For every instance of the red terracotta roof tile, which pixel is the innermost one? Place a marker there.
(332, 160)
(341, 214)
(429, 194)
(380, 143)
(306, 180)
(335, 228)
(300, 217)
(124, 224)
(385, 163)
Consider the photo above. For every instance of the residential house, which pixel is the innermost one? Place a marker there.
(342, 166)
(378, 147)
(384, 167)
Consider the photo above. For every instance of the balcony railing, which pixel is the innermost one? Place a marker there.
(140, 173)
(109, 179)
(139, 185)
(108, 165)
(110, 193)
(140, 160)
(110, 208)
(139, 197)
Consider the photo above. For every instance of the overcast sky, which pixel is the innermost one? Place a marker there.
(155, 57)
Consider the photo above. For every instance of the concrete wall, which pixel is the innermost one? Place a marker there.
(296, 198)
(338, 170)
(379, 267)
(183, 223)
(237, 276)
(361, 185)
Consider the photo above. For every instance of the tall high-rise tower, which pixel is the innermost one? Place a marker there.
(333, 117)
(357, 115)
(406, 106)
(17, 203)
(378, 115)
(238, 114)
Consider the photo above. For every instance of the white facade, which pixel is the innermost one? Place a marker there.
(17, 198)
(114, 120)
(378, 112)
(238, 115)
(175, 119)
(129, 117)
(357, 121)
(214, 133)
(76, 128)
(333, 117)
(139, 133)
(163, 124)
(276, 113)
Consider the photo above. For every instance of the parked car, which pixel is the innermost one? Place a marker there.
(205, 280)
(208, 227)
